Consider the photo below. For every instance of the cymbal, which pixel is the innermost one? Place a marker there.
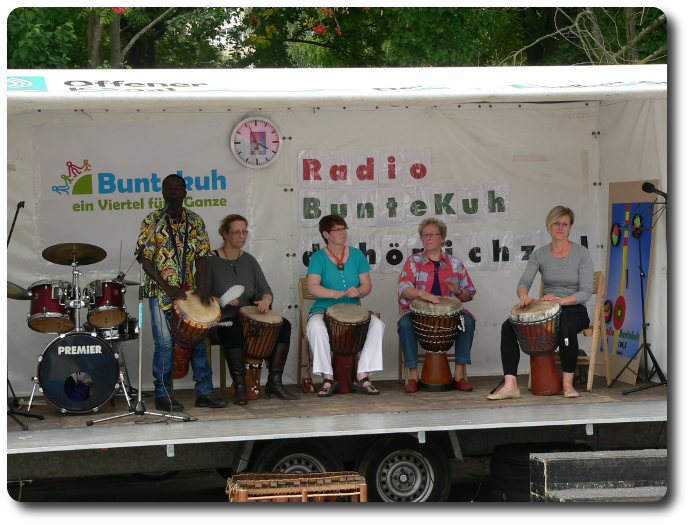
(70, 252)
(15, 291)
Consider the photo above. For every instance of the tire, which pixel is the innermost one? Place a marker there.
(155, 476)
(399, 468)
(298, 456)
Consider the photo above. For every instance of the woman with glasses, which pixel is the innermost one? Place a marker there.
(428, 275)
(568, 275)
(233, 266)
(340, 274)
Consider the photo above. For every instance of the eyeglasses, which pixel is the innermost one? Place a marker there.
(428, 235)
(239, 232)
(339, 230)
(559, 224)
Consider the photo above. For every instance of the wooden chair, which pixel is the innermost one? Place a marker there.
(595, 331)
(304, 295)
(212, 340)
(420, 359)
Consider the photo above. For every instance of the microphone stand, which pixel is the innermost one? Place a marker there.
(140, 408)
(11, 405)
(644, 347)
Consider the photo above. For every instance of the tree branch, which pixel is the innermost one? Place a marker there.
(651, 27)
(136, 37)
(654, 55)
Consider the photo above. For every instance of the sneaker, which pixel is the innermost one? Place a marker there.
(168, 404)
(211, 400)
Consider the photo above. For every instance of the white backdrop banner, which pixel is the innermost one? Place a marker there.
(96, 182)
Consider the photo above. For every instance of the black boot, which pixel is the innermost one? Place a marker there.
(235, 359)
(276, 364)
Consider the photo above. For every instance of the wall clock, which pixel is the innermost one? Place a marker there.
(256, 142)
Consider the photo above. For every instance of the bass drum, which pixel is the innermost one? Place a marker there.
(78, 372)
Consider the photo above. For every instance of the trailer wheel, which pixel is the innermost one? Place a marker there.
(399, 468)
(298, 457)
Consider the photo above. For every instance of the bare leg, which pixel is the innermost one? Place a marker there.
(568, 382)
(510, 384)
(460, 372)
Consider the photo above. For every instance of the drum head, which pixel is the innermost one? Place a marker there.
(535, 311)
(348, 313)
(196, 311)
(269, 317)
(78, 372)
(446, 305)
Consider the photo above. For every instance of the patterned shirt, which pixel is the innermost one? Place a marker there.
(419, 273)
(166, 260)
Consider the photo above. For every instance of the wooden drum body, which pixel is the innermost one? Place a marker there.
(348, 326)
(437, 327)
(191, 321)
(260, 332)
(536, 327)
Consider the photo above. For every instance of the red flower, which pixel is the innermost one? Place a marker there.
(120, 10)
(365, 8)
(320, 29)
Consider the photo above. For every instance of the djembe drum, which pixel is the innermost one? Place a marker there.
(437, 327)
(536, 327)
(191, 321)
(260, 330)
(347, 325)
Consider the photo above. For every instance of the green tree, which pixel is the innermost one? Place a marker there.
(41, 38)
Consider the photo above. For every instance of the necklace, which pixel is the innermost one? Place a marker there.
(234, 266)
(341, 264)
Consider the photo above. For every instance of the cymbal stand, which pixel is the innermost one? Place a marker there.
(140, 409)
(11, 405)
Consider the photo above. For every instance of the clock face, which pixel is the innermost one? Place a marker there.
(256, 142)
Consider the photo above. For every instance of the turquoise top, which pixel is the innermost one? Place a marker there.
(335, 279)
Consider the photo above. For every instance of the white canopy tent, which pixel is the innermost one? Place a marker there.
(552, 133)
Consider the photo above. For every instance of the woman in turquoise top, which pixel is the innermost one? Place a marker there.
(340, 274)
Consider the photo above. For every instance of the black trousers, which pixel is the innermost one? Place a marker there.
(232, 336)
(573, 316)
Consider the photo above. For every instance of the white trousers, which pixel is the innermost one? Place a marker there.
(370, 359)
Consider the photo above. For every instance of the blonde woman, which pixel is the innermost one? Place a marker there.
(568, 275)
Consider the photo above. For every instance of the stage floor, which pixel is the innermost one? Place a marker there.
(344, 414)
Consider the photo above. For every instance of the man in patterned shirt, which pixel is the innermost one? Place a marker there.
(179, 243)
(428, 275)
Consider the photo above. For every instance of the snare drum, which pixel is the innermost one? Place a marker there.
(260, 332)
(536, 327)
(107, 304)
(437, 325)
(347, 325)
(49, 311)
(191, 321)
(126, 331)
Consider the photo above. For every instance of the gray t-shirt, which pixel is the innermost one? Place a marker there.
(571, 275)
(247, 272)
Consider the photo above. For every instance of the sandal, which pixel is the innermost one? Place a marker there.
(369, 389)
(328, 390)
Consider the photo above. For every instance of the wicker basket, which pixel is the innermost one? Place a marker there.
(277, 487)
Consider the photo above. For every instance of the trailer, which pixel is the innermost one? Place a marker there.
(487, 150)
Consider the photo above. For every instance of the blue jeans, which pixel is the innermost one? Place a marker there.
(408, 341)
(163, 355)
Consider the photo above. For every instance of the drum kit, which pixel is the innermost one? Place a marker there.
(81, 369)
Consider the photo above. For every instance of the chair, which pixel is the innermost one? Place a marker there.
(304, 295)
(420, 359)
(212, 340)
(595, 331)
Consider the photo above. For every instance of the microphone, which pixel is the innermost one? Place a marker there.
(168, 204)
(648, 187)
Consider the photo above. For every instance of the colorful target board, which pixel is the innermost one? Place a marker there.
(631, 216)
